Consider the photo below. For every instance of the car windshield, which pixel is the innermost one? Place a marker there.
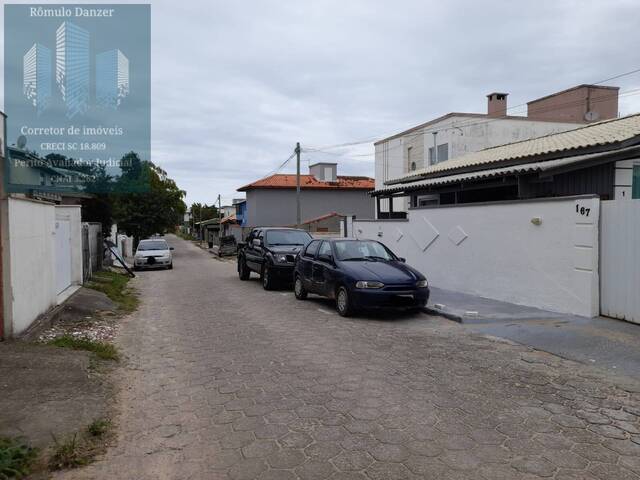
(153, 245)
(287, 237)
(363, 250)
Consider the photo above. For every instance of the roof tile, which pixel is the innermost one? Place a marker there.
(287, 181)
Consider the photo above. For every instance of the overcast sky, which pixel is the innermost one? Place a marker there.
(236, 83)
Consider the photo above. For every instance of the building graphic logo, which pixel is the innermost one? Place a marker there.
(112, 78)
(73, 73)
(72, 67)
(37, 80)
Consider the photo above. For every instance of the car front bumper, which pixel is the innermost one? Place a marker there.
(381, 298)
(282, 271)
(158, 263)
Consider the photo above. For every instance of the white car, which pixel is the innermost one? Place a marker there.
(153, 253)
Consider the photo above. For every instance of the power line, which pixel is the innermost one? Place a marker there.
(361, 142)
(425, 130)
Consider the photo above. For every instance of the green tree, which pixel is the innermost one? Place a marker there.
(202, 212)
(145, 200)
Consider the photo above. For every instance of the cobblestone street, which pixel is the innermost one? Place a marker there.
(225, 380)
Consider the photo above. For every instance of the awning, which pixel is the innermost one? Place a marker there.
(547, 166)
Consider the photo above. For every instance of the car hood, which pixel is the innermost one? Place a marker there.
(385, 272)
(153, 253)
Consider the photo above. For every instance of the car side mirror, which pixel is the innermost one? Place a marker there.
(256, 242)
(402, 259)
(171, 248)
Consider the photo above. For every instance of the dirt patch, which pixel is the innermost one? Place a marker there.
(47, 391)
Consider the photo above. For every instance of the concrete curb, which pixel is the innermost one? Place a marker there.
(448, 315)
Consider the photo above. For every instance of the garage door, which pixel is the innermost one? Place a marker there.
(63, 255)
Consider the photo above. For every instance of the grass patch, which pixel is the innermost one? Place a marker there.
(68, 453)
(105, 351)
(16, 458)
(99, 428)
(82, 447)
(114, 286)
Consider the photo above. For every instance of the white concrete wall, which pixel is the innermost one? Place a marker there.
(32, 277)
(31, 244)
(496, 251)
(72, 213)
(463, 134)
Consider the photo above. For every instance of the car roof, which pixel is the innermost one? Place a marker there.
(153, 240)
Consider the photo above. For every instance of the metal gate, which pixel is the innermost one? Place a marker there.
(620, 259)
(63, 254)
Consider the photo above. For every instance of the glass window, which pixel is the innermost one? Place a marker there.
(312, 248)
(153, 245)
(347, 250)
(635, 193)
(443, 152)
(287, 237)
(325, 249)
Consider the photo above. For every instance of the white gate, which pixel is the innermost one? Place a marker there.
(63, 254)
(620, 259)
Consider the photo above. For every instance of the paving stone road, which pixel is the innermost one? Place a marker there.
(225, 380)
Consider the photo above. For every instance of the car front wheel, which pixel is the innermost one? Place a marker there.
(243, 270)
(343, 302)
(268, 282)
(298, 289)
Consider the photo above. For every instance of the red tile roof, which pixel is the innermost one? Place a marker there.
(323, 217)
(281, 180)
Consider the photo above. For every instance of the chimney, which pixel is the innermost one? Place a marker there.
(497, 104)
(324, 172)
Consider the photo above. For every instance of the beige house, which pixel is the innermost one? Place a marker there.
(456, 134)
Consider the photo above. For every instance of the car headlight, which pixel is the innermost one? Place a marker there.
(422, 283)
(369, 284)
(280, 258)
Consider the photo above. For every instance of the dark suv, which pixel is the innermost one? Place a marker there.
(271, 252)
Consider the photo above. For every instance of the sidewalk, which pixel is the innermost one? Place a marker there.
(605, 342)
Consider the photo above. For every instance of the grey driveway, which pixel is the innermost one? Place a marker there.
(225, 380)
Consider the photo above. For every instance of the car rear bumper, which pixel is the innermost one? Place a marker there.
(416, 298)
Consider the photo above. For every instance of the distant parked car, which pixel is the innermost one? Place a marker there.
(359, 274)
(153, 253)
(271, 252)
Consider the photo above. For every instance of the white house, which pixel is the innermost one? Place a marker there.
(456, 134)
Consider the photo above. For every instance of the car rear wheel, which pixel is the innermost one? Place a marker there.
(268, 282)
(298, 289)
(243, 270)
(343, 302)
(170, 267)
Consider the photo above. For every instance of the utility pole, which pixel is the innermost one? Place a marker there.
(219, 221)
(298, 218)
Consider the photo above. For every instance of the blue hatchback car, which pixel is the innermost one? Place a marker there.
(359, 274)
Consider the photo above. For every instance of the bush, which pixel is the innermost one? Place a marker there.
(16, 457)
